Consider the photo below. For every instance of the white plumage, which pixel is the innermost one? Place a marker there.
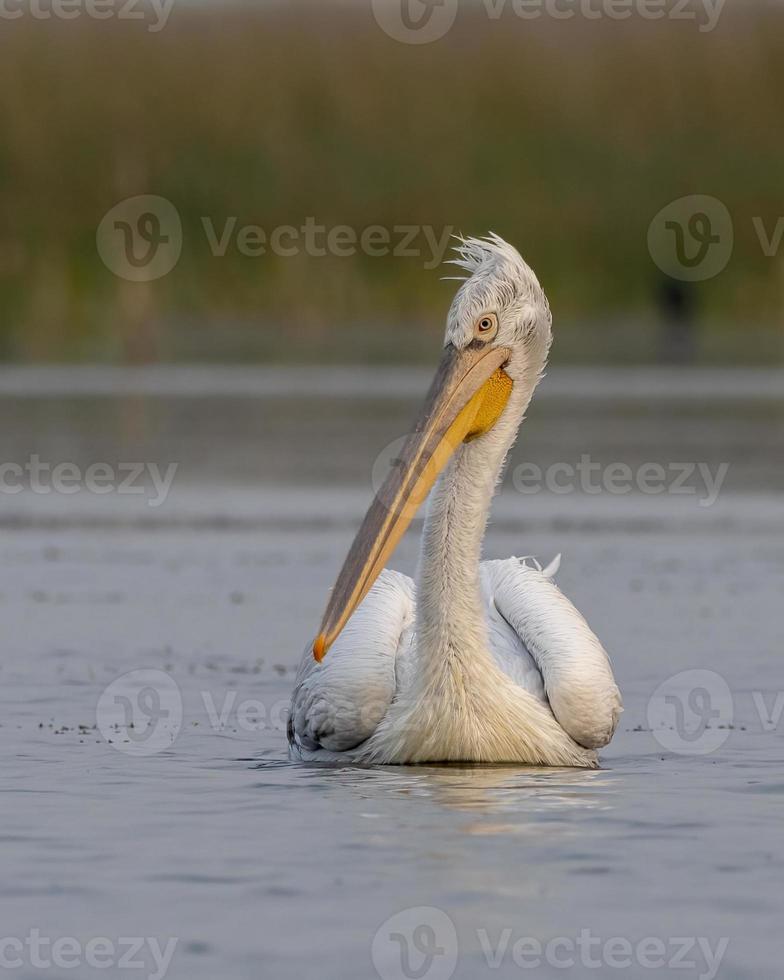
(479, 661)
(547, 664)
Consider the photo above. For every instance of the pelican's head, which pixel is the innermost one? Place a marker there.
(497, 338)
(500, 305)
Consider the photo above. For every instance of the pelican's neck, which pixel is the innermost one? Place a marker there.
(451, 627)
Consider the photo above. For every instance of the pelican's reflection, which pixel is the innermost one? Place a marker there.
(518, 799)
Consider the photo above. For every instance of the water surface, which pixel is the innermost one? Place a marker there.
(261, 868)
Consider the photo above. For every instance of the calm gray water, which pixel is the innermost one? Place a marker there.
(193, 827)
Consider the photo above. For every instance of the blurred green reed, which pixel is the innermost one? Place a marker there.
(565, 137)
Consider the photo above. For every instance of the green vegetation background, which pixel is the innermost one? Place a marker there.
(566, 137)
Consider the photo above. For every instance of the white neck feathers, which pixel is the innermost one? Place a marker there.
(451, 629)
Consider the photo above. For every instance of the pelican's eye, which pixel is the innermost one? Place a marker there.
(486, 327)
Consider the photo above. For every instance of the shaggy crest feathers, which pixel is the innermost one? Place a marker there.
(497, 272)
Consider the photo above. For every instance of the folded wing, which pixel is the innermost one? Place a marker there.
(338, 704)
(574, 667)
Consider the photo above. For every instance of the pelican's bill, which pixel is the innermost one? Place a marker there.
(466, 399)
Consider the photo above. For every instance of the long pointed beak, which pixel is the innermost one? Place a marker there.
(466, 398)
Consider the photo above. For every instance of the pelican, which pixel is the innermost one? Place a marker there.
(475, 661)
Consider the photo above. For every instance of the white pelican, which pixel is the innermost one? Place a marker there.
(480, 661)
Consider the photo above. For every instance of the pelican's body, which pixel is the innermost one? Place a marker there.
(476, 661)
